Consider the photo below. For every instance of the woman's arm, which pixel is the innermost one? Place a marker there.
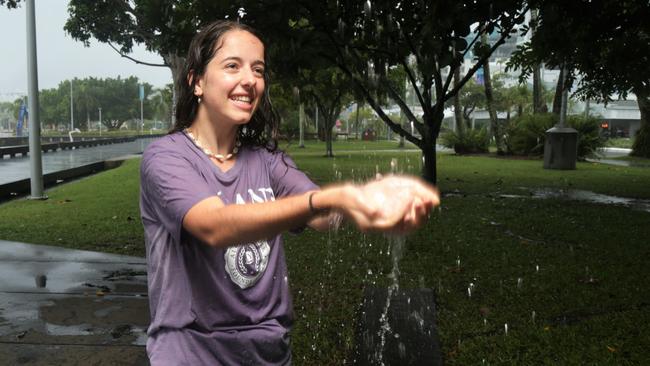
(223, 225)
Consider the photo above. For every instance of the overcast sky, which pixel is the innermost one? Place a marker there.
(59, 56)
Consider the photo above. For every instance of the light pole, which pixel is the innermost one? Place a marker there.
(100, 121)
(141, 109)
(71, 108)
(35, 161)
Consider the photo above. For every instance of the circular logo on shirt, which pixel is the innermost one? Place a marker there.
(246, 263)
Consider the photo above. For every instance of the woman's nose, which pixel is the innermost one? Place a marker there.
(248, 78)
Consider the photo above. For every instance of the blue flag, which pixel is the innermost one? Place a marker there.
(22, 114)
(480, 78)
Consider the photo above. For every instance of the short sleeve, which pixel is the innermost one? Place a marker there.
(286, 178)
(170, 185)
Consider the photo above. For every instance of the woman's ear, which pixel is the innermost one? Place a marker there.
(198, 90)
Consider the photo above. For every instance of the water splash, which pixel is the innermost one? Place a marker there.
(397, 251)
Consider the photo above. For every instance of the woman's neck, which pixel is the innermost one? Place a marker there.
(218, 139)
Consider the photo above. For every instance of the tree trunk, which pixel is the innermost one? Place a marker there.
(429, 167)
(494, 121)
(641, 145)
(538, 102)
(458, 113)
(559, 88)
(328, 143)
(175, 64)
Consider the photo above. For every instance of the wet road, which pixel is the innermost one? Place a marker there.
(15, 169)
(63, 306)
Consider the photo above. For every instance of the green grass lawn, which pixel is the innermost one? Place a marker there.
(318, 148)
(581, 267)
(624, 142)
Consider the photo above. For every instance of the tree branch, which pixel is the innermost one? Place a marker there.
(418, 60)
(135, 60)
(373, 103)
(481, 61)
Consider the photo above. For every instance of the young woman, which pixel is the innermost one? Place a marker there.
(215, 197)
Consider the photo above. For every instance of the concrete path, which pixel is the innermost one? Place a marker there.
(15, 169)
(70, 307)
(609, 153)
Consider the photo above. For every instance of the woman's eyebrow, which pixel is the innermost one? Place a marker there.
(239, 59)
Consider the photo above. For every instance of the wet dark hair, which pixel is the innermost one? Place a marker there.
(262, 129)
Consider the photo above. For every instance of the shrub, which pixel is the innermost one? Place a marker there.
(472, 141)
(589, 138)
(526, 135)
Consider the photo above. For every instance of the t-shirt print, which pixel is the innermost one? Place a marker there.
(246, 263)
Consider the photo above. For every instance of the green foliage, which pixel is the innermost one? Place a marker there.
(468, 141)
(589, 138)
(118, 99)
(10, 3)
(526, 134)
(641, 146)
(286, 106)
(568, 33)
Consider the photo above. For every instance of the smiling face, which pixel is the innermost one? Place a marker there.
(233, 82)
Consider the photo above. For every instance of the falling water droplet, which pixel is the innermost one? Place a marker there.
(537, 268)
(458, 263)
(469, 292)
(369, 272)
(533, 316)
(505, 327)
(393, 165)
(341, 28)
(520, 282)
(367, 9)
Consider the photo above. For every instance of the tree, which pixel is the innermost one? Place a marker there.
(365, 40)
(604, 45)
(163, 26)
(495, 126)
(471, 96)
(329, 90)
(11, 4)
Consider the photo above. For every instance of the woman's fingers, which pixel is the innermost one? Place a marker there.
(390, 204)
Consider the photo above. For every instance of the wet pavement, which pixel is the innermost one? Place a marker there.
(69, 307)
(15, 169)
(607, 155)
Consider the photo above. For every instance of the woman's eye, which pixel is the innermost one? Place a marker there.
(259, 71)
(231, 66)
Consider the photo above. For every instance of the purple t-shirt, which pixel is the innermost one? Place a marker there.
(214, 305)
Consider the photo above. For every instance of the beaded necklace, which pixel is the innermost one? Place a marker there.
(209, 153)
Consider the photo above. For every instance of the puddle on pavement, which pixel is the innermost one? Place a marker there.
(585, 196)
(96, 319)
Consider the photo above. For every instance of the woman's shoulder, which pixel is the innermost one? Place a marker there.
(172, 144)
